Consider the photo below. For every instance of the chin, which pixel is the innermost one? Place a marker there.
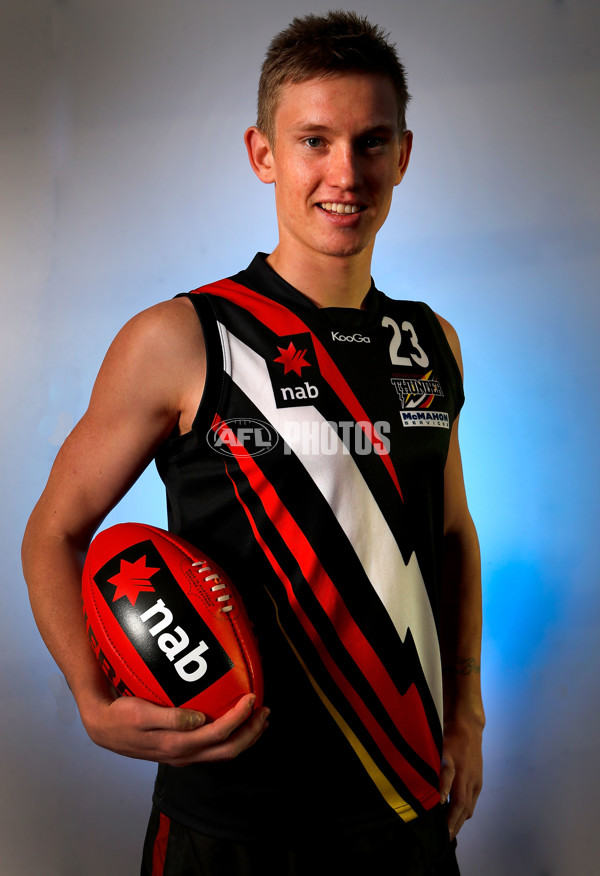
(345, 250)
(340, 245)
(344, 253)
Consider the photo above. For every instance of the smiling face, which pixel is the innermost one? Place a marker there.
(336, 159)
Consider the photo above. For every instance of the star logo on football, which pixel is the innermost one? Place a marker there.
(132, 579)
(292, 359)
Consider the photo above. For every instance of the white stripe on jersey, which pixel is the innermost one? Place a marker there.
(399, 586)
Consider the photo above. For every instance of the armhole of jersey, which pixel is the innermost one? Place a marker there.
(457, 380)
(213, 385)
(177, 445)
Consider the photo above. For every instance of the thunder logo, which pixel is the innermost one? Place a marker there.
(417, 392)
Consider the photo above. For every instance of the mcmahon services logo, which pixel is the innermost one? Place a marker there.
(426, 419)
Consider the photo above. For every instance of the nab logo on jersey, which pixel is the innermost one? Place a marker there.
(294, 371)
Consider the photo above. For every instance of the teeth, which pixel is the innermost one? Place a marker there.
(340, 208)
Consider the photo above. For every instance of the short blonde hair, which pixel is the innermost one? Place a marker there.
(322, 45)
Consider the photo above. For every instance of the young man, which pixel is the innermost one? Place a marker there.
(350, 540)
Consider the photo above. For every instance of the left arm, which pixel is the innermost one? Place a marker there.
(460, 632)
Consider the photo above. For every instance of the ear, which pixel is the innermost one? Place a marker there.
(260, 154)
(405, 150)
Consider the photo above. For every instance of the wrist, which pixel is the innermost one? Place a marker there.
(462, 693)
(465, 717)
(91, 692)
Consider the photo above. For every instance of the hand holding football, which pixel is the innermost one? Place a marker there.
(167, 624)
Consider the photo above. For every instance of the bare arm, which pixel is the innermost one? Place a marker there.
(461, 640)
(150, 383)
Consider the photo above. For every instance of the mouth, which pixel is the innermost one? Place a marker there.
(340, 209)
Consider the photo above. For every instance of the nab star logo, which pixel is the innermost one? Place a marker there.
(288, 371)
(292, 359)
(132, 579)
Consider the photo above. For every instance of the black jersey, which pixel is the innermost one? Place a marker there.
(313, 474)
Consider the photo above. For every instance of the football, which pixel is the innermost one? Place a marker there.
(166, 623)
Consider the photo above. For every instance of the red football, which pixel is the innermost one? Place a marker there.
(166, 623)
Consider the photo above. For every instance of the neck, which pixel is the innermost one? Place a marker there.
(328, 281)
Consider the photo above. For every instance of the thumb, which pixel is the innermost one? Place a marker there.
(150, 716)
(186, 719)
(446, 778)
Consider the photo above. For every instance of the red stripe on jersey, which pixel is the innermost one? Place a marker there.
(159, 852)
(399, 706)
(280, 320)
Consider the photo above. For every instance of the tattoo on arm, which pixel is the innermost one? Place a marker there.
(467, 666)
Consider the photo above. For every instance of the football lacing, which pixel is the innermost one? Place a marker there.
(218, 585)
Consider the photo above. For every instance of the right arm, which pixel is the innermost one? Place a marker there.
(149, 384)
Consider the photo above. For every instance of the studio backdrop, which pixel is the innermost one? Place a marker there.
(124, 181)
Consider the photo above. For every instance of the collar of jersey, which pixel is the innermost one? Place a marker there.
(260, 277)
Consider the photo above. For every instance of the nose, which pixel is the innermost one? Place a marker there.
(343, 168)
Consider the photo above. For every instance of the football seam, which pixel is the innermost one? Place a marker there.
(118, 652)
(243, 652)
(176, 542)
(242, 646)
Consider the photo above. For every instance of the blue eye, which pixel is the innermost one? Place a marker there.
(313, 142)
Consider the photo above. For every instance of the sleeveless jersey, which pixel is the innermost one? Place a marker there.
(313, 474)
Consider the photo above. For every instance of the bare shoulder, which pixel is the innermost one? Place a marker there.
(452, 338)
(168, 328)
(158, 358)
(150, 383)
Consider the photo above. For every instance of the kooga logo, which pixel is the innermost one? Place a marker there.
(356, 338)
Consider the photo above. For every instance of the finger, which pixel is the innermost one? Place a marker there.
(187, 719)
(227, 748)
(211, 743)
(235, 717)
(446, 778)
(453, 817)
(213, 736)
(161, 737)
(208, 743)
(149, 716)
(153, 717)
(460, 809)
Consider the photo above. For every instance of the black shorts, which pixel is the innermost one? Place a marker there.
(419, 848)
